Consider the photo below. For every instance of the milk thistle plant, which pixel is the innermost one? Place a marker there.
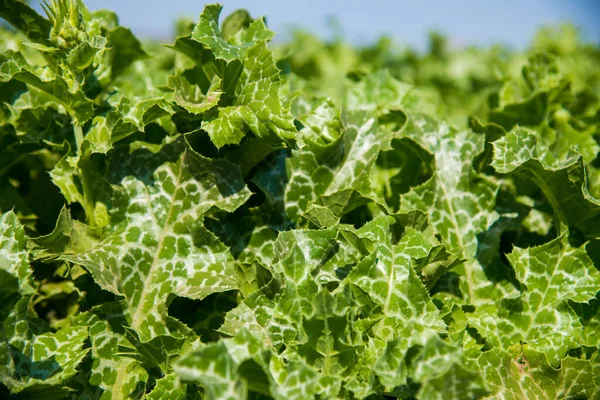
(223, 217)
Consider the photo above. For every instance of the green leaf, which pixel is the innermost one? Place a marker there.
(334, 178)
(517, 152)
(460, 202)
(312, 323)
(257, 106)
(116, 376)
(388, 278)
(168, 387)
(124, 49)
(68, 236)
(191, 97)
(84, 54)
(34, 359)
(526, 100)
(173, 252)
(236, 22)
(80, 180)
(521, 372)
(381, 94)
(239, 364)
(236, 37)
(243, 77)
(549, 275)
(25, 19)
(405, 317)
(14, 257)
(36, 119)
(129, 115)
(52, 89)
(443, 369)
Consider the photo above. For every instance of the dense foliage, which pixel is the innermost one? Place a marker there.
(227, 218)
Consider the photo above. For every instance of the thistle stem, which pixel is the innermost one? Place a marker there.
(84, 175)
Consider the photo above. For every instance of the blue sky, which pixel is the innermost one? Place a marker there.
(512, 22)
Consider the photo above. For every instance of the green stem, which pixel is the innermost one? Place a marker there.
(560, 220)
(84, 175)
(78, 131)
